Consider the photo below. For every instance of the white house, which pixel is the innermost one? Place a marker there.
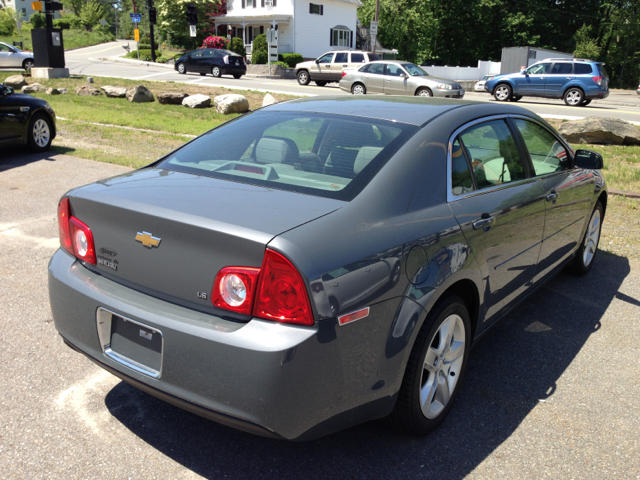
(23, 7)
(308, 28)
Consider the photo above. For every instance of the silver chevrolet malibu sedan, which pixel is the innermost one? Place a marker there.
(398, 78)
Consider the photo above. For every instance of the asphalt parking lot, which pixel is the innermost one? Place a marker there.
(553, 392)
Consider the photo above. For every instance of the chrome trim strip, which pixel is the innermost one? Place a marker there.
(104, 318)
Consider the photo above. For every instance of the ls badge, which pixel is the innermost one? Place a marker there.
(146, 239)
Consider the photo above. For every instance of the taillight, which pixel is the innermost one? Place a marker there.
(226, 59)
(281, 295)
(344, 73)
(75, 236)
(598, 80)
(275, 291)
(64, 213)
(234, 289)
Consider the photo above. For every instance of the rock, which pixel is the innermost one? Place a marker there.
(607, 131)
(140, 94)
(268, 100)
(15, 81)
(197, 101)
(33, 88)
(114, 92)
(171, 98)
(63, 90)
(231, 103)
(55, 91)
(87, 91)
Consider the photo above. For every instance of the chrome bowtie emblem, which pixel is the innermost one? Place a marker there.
(148, 240)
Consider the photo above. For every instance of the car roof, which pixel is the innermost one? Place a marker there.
(410, 110)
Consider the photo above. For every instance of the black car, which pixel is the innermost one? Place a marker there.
(212, 60)
(25, 120)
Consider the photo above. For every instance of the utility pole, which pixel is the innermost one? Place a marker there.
(152, 22)
(373, 38)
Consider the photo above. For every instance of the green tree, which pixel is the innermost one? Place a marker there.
(172, 17)
(91, 14)
(7, 21)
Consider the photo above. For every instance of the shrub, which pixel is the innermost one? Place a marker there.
(144, 46)
(259, 50)
(144, 55)
(62, 24)
(74, 21)
(291, 59)
(237, 46)
(259, 57)
(163, 59)
(280, 64)
(215, 42)
(7, 21)
(37, 20)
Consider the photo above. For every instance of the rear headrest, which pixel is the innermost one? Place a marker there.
(365, 155)
(271, 150)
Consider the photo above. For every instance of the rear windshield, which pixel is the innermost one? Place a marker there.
(333, 156)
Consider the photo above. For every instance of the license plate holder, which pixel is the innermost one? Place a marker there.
(131, 343)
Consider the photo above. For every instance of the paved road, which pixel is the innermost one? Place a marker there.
(85, 62)
(553, 392)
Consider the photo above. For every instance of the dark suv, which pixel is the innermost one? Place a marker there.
(576, 81)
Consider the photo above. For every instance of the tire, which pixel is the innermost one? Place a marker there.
(573, 97)
(237, 75)
(516, 98)
(321, 83)
(586, 254)
(216, 72)
(424, 92)
(303, 77)
(502, 92)
(435, 386)
(203, 73)
(586, 102)
(39, 133)
(335, 307)
(395, 275)
(27, 64)
(358, 89)
(182, 68)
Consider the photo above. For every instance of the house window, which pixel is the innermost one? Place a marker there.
(316, 9)
(341, 38)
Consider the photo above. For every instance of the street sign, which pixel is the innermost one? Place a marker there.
(192, 30)
(136, 35)
(135, 17)
(373, 28)
(270, 35)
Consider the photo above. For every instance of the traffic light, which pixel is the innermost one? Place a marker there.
(192, 14)
(153, 15)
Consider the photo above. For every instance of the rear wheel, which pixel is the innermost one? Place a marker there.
(39, 135)
(321, 83)
(586, 102)
(424, 92)
(303, 77)
(27, 64)
(435, 368)
(215, 71)
(516, 98)
(585, 255)
(573, 97)
(503, 92)
(358, 89)
(237, 75)
(181, 68)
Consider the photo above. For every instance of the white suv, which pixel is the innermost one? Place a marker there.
(328, 67)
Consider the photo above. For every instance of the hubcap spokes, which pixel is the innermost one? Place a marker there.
(502, 93)
(591, 239)
(442, 366)
(41, 133)
(574, 98)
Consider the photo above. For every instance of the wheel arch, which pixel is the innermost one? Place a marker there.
(602, 198)
(503, 82)
(46, 114)
(578, 87)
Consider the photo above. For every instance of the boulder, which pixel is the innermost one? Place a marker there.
(33, 88)
(140, 94)
(53, 91)
(600, 130)
(114, 92)
(197, 101)
(231, 103)
(87, 91)
(268, 100)
(15, 81)
(172, 98)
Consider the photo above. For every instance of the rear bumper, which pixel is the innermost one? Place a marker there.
(233, 70)
(282, 381)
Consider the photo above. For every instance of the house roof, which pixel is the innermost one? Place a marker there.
(357, 3)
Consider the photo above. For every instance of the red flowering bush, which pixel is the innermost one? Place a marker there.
(215, 42)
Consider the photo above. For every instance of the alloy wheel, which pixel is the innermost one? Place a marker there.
(41, 133)
(424, 93)
(28, 65)
(502, 93)
(592, 238)
(573, 97)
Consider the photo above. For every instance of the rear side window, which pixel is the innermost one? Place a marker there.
(562, 68)
(461, 179)
(365, 68)
(548, 155)
(583, 69)
(377, 68)
(341, 57)
(332, 156)
(493, 153)
(373, 57)
(603, 72)
(357, 58)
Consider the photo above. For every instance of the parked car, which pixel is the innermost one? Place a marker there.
(215, 61)
(25, 120)
(576, 81)
(328, 67)
(638, 90)
(479, 86)
(13, 57)
(205, 278)
(398, 78)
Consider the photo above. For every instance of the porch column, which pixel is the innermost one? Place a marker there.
(244, 33)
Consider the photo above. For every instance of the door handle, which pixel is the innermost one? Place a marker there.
(483, 222)
(552, 197)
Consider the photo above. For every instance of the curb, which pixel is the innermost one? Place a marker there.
(131, 61)
(622, 193)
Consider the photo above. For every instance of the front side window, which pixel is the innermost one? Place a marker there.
(539, 69)
(357, 58)
(394, 70)
(562, 69)
(548, 155)
(341, 38)
(326, 58)
(198, 53)
(333, 156)
(493, 154)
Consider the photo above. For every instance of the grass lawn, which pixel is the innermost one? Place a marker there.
(71, 38)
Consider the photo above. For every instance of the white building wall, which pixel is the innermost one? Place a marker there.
(234, 7)
(312, 31)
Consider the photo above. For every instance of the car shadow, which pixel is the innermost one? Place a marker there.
(516, 365)
(13, 157)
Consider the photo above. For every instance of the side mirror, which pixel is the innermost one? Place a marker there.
(589, 160)
(404, 75)
(317, 61)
